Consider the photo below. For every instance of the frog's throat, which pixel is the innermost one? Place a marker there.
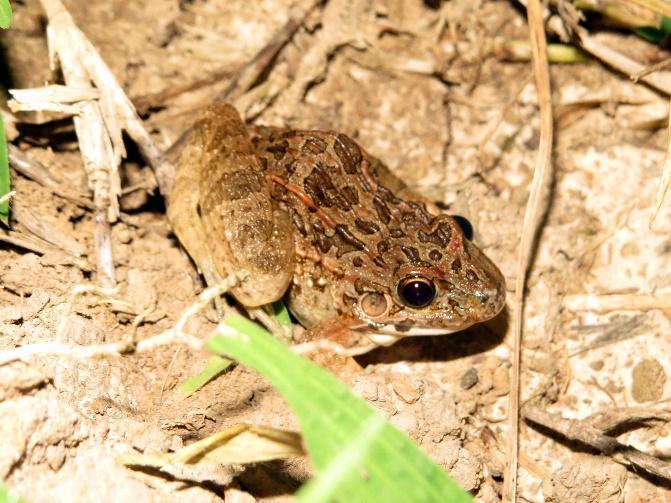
(388, 334)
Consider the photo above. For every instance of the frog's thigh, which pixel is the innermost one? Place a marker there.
(185, 218)
(246, 231)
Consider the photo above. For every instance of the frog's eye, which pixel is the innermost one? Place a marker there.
(416, 291)
(465, 226)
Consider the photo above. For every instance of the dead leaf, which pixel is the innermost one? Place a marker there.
(240, 444)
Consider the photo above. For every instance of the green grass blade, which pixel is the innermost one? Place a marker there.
(215, 366)
(9, 496)
(332, 417)
(349, 462)
(281, 314)
(4, 174)
(5, 14)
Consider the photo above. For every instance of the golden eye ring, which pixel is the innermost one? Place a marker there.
(416, 291)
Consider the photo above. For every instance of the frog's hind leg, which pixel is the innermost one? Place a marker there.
(184, 216)
(246, 231)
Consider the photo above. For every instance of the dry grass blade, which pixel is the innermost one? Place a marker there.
(34, 170)
(532, 217)
(98, 152)
(583, 432)
(666, 176)
(660, 81)
(239, 444)
(615, 302)
(662, 7)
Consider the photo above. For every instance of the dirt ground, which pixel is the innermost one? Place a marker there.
(416, 83)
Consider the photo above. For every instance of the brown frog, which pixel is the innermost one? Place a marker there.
(310, 217)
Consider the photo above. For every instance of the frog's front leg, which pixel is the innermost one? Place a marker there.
(333, 343)
(223, 213)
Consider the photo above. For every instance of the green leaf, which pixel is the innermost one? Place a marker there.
(333, 421)
(4, 174)
(215, 366)
(281, 314)
(9, 496)
(656, 35)
(5, 14)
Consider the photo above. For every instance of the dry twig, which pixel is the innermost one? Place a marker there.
(530, 226)
(175, 335)
(35, 171)
(243, 80)
(665, 181)
(616, 302)
(585, 433)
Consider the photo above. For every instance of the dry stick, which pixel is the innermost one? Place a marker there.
(245, 78)
(665, 182)
(616, 302)
(583, 432)
(96, 148)
(614, 419)
(34, 170)
(7, 196)
(38, 226)
(658, 6)
(145, 102)
(659, 81)
(532, 217)
(175, 335)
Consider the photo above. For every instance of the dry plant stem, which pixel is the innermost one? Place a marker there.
(580, 431)
(659, 6)
(41, 247)
(617, 60)
(665, 182)
(98, 154)
(657, 67)
(7, 196)
(532, 217)
(35, 171)
(245, 78)
(616, 302)
(614, 419)
(175, 335)
(611, 57)
(99, 125)
(36, 225)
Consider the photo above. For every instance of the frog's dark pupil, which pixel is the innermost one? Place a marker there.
(465, 225)
(416, 292)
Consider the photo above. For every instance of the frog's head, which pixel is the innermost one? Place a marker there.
(441, 283)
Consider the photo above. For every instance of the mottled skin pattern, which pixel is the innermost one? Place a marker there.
(312, 217)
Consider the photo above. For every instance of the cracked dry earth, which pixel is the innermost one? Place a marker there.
(415, 84)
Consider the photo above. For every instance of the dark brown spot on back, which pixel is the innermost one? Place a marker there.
(412, 253)
(456, 265)
(347, 236)
(357, 261)
(381, 209)
(313, 145)
(435, 255)
(366, 227)
(278, 149)
(348, 152)
(383, 246)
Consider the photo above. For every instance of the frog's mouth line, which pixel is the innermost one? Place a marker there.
(389, 334)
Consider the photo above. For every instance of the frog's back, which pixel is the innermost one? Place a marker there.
(355, 218)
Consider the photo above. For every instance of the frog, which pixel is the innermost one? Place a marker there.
(312, 218)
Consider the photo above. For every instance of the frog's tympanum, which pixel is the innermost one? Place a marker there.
(310, 217)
